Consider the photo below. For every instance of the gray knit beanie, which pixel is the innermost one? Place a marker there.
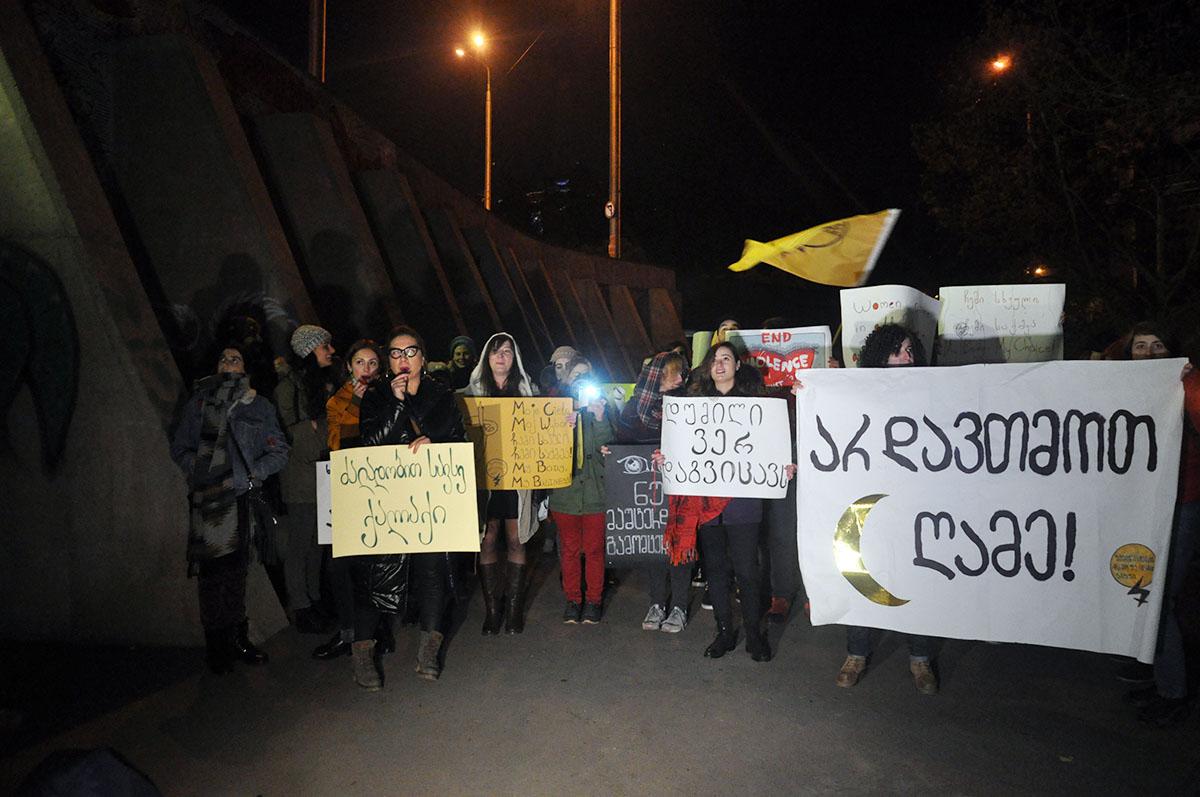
(308, 337)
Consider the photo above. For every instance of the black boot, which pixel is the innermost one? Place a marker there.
(217, 651)
(726, 641)
(337, 646)
(756, 643)
(242, 648)
(489, 584)
(385, 642)
(514, 618)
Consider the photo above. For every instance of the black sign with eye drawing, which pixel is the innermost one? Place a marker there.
(637, 508)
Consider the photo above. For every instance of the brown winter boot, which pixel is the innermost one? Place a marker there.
(427, 655)
(366, 674)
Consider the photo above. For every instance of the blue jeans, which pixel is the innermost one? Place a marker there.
(1170, 668)
(858, 643)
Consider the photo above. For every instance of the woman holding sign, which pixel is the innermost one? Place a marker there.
(889, 346)
(728, 528)
(500, 373)
(342, 413)
(408, 408)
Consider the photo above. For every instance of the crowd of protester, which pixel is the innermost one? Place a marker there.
(250, 469)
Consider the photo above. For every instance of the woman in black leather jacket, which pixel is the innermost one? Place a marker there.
(408, 408)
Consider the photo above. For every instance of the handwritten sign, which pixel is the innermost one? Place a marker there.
(522, 443)
(637, 508)
(730, 447)
(1001, 324)
(864, 309)
(1014, 502)
(387, 499)
(324, 507)
(779, 354)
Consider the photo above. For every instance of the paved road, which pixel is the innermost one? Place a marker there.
(612, 709)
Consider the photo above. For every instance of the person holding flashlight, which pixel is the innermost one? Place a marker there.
(578, 510)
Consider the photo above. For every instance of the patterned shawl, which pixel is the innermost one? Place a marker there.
(215, 530)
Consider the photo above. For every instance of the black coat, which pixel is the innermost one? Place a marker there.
(385, 420)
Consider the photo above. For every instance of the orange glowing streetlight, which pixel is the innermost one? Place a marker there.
(479, 41)
(1001, 63)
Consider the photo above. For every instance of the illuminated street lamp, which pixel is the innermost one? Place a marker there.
(1001, 63)
(479, 41)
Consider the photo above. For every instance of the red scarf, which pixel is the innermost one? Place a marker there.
(685, 514)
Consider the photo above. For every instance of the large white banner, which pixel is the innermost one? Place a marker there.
(1015, 503)
(1001, 324)
(727, 447)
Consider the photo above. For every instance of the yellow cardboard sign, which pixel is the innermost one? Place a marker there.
(521, 443)
(387, 499)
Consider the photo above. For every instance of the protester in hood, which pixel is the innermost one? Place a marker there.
(578, 510)
(500, 373)
(889, 346)
(1163, 700)
(228, 443)
(641, 422)
(456, 371)
(308, 381)
(342, 416)
(406, 408)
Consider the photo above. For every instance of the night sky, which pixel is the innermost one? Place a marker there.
(740, 120)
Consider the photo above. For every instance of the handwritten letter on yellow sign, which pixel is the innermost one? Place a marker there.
(526, 443)
(387, 499)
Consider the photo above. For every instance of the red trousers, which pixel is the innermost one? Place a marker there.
(581, 534)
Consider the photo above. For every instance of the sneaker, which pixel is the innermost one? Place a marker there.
(654, 618)
(706, 602)
(1164, 711)
(675, 622)
(852, 669)
(592, 613)
(923, 677)
(698, 579)
(572, 612)
(1136, 673)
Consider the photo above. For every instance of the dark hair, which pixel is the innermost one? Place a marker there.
(747, 381)
(776, 322)
(1148, 328)
(512, 387)
(405, 329)
(679, 344)
(884, 342)
(359, 345)
(219, 349)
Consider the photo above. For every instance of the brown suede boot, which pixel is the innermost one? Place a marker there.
(366, 674)
(489, 585)
(427, 655)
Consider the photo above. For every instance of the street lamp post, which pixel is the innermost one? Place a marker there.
(479, 42)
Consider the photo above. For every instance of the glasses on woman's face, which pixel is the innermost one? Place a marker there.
(234, 360)
(408, 352)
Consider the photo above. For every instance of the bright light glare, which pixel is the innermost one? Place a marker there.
(1001, 63)
(478, 40)
(460, 52)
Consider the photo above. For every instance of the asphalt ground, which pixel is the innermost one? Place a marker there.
(610, 709)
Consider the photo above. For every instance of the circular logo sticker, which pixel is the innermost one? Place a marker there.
(1132, 565)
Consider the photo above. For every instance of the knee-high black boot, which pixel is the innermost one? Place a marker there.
(514, 619)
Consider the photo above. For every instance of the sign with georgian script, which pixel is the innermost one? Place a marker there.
(864, 309)
(386, 499)
(637, 508)
(780, 354)
(1013, 503)
(729, 447)
(1001, 324)
(324, 509)
(521, 443)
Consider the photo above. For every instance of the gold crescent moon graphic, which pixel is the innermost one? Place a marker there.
(847, 541)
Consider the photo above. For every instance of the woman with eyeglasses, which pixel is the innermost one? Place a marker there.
(406, 407)
(228, 443)
(500, 373)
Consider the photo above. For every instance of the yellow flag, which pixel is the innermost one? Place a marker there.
(841, 252)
